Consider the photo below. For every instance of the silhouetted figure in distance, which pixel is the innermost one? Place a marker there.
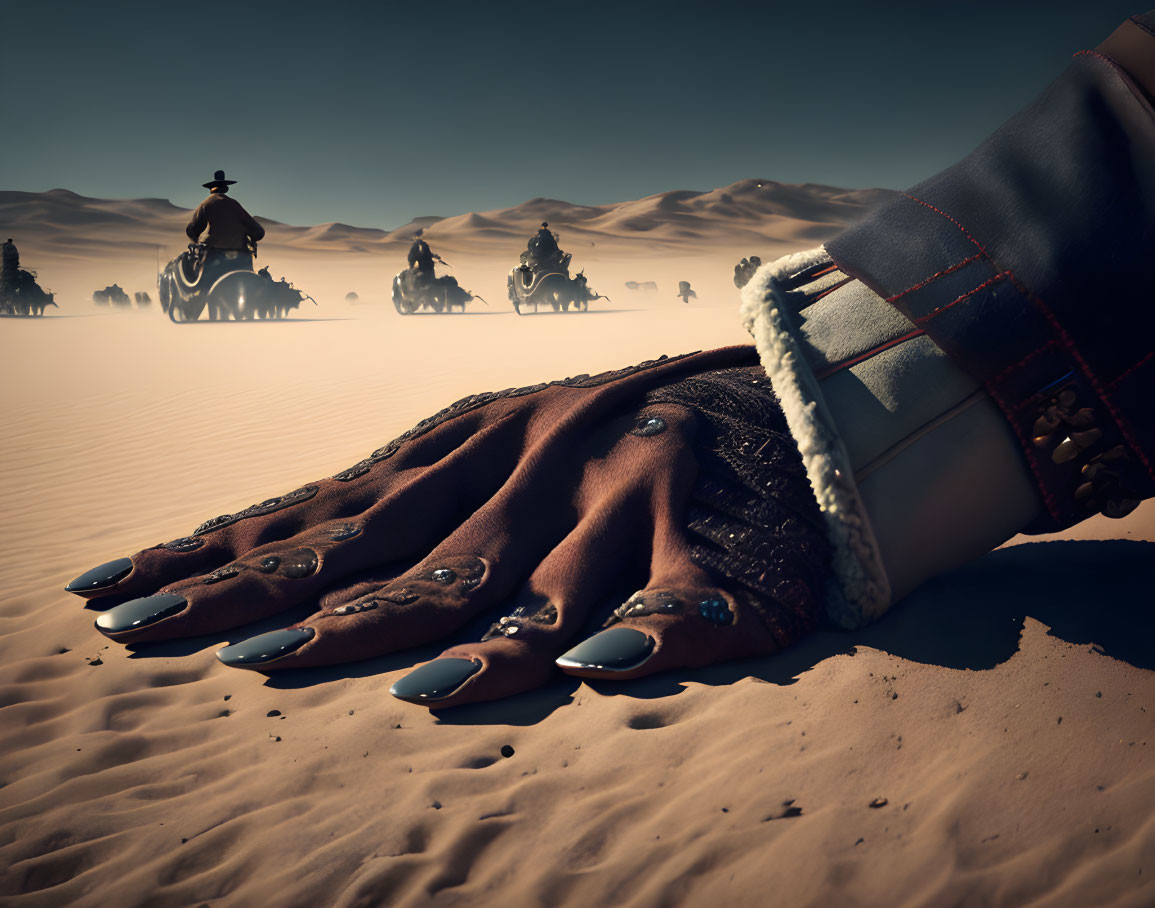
(421, 257)
(9, 271)
(233, 233)
(543, 253)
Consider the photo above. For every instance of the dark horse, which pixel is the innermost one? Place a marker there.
(414, 289)
(227, 287)
(553, 288)
(27, 297)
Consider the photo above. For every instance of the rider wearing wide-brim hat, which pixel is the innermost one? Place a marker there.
(232, 232)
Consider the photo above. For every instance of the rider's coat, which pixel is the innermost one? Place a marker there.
(421, 256)
(227, 222)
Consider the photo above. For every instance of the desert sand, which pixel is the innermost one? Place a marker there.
(991, 741)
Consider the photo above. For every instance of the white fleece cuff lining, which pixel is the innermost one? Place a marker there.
(863, 591)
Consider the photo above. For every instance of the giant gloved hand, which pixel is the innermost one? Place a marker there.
(667, 500)
(973, 359)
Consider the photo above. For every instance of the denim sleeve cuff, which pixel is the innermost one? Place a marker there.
(1031, 263)
(913, 467)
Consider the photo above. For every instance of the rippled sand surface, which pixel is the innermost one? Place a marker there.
(991, 742)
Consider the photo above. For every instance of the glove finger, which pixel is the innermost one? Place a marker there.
(664, 627)
(483, 434)
(360, 494)
(261, 583)
(428, 602)
(420, 508)
(479, 564)
(517, 653)
(722, 586)
(739, 597)
(510, 543)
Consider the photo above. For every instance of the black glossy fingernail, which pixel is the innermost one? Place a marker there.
(435, 680)
(101, 576)
(615, 650)
(140, 613)
(264, 648)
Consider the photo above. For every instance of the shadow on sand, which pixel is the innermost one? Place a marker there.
(1086, 592)
(41, 318)
(429, 314)
(545, 312)
(265, 321)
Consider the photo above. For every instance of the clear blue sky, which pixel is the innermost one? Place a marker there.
(372, 113)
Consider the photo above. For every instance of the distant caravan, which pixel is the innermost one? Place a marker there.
(414, 290)
(187, 287)
(555, 289)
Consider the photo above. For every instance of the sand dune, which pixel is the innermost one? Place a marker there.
(988, 743)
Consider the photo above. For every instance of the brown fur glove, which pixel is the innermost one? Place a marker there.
(550, 504)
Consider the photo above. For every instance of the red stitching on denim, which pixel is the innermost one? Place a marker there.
(1119, 380)
(1095, 53)
(855, 360)
(1095, 382)
(994, 280)
(965, 232)
(934, 277)
(830, 290)
(1119, 69)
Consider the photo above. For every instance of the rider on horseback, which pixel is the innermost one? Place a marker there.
(233, 233)
(543, 253)
(421, 257)
(543, 277)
